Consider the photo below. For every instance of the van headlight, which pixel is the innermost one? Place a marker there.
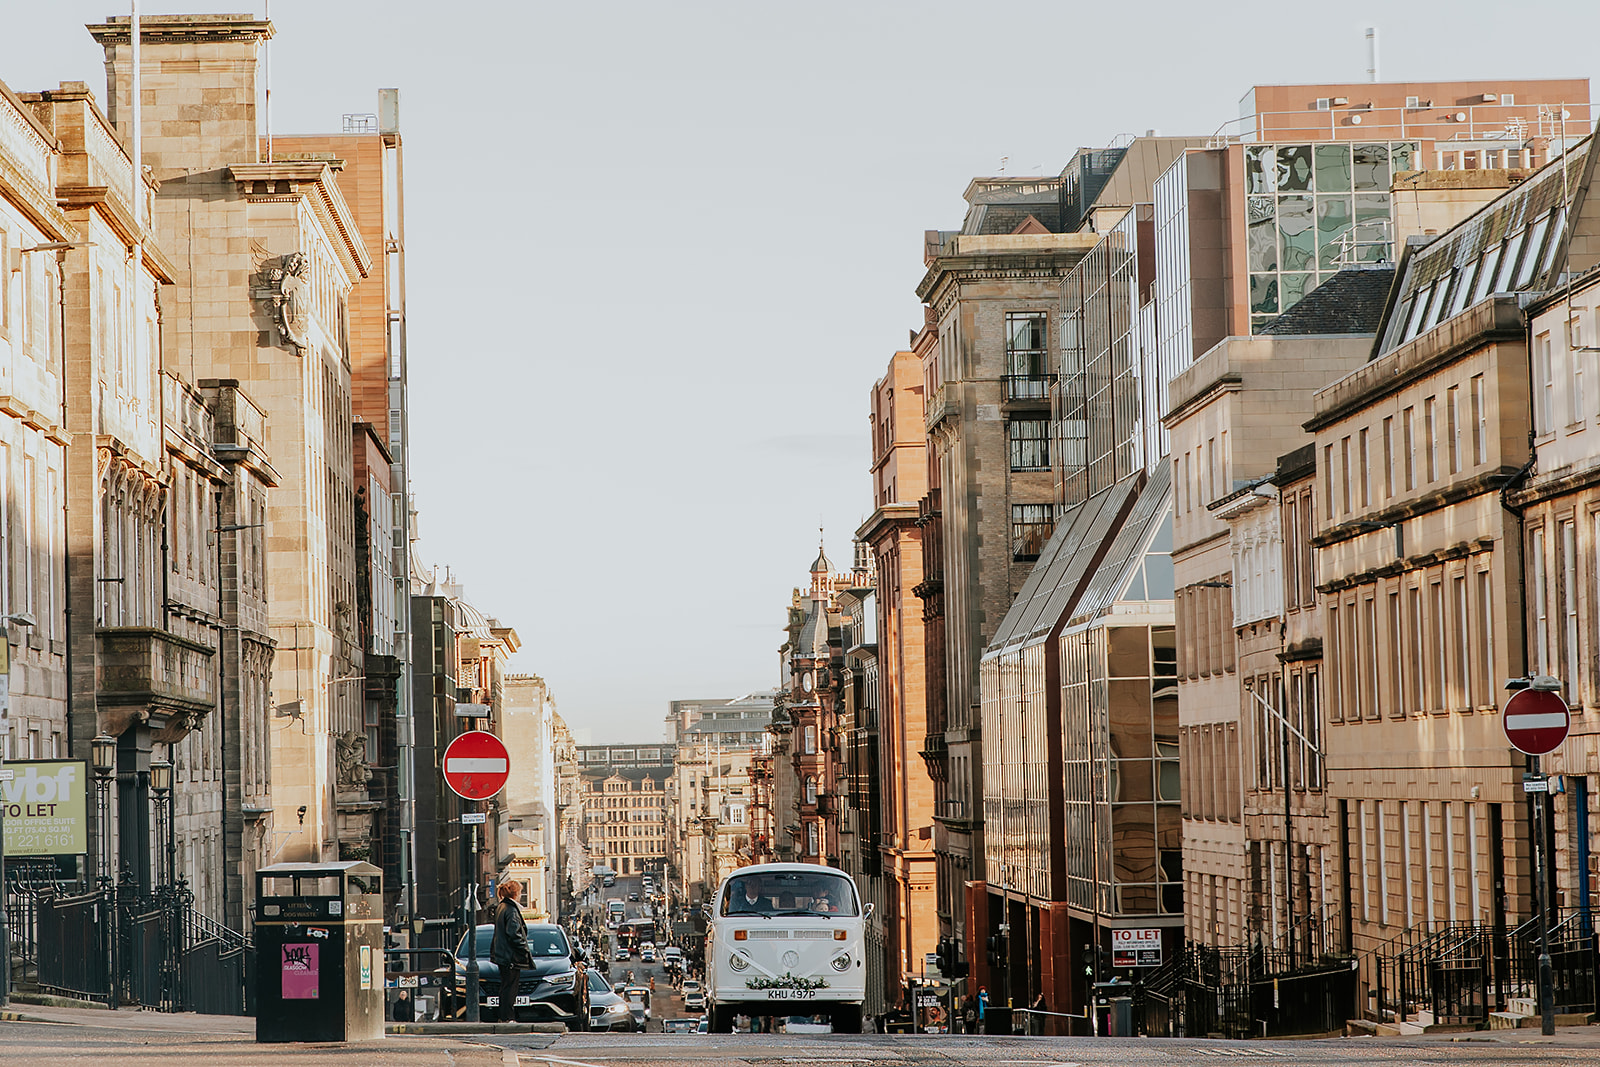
(737, 961)
(841, 962)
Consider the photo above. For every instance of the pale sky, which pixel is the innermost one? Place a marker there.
(659, 252)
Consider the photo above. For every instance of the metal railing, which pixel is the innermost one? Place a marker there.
(1574, 960)
(1455, 972)
(164, 955)
(1028, 386)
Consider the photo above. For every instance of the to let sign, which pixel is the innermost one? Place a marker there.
(1136, 947)
(476, 765)
(1536, 721)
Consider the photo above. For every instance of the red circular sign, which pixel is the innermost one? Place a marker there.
(1536, 721)
(476, 765)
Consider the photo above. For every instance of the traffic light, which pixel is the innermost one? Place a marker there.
(995, 950)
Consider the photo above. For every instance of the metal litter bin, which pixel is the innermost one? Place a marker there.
(319, 952)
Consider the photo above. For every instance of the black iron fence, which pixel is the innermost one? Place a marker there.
(218, 965)
(162, 954)
(1245, 992)
(1452, 973)
(1457, 974)
(1574, 960)
(66, 938)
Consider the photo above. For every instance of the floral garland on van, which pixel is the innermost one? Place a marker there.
(787, 981)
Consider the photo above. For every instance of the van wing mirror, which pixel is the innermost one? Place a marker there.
(866, 913)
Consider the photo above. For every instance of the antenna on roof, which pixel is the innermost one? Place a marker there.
(266, 80)
(1003, 161)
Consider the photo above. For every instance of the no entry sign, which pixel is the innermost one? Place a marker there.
(476, 765)
(1536, 721)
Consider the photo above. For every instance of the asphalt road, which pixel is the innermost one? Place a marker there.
(139, 1039)
(666, 1003)
(134, 1039)
(877, 1050)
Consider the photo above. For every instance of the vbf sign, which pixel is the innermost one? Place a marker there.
(476, 765)
(1536, 721)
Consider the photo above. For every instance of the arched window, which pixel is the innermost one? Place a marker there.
(811, 789)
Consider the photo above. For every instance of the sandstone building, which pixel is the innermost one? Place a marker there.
(265, 255)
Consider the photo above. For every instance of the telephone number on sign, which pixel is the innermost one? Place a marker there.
(791, 994)
(25, 840)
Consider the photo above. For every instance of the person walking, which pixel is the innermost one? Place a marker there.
(508, 948)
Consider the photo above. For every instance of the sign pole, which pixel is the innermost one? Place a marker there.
(1536, 721)
(476, 766)
(468, 882)
(1547, 1006)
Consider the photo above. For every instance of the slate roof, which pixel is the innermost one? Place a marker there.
(813, 643)
(1350, 302)
(1523, 241)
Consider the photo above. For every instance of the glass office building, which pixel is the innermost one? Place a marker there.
(1312, 209)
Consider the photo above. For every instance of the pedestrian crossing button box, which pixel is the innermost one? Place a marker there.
(319, 952)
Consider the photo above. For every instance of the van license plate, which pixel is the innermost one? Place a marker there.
(791, 994)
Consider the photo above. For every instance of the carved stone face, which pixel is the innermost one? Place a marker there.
(294, 301)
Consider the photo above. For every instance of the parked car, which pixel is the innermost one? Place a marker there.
(608, 1010)
(546, 992)
(685, 1025)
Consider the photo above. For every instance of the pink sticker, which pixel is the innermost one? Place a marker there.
(300, 972)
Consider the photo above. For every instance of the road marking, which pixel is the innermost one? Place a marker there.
(1229, 1051)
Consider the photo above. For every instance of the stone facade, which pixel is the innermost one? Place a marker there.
(1235, 410)
(528, 834)
(714, 816)
(1561, 502)
(993, 521)
(371, 169)
(625, 817)
(265, 256)
(903, 787)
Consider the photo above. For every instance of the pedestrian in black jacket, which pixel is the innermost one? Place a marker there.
(508, 948)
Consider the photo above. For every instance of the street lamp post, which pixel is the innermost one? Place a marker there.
(103, 755)
(5, 732)
(168, 890)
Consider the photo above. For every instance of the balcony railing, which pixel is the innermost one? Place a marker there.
(175, 678)
(943, 402)
(1028, 387)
